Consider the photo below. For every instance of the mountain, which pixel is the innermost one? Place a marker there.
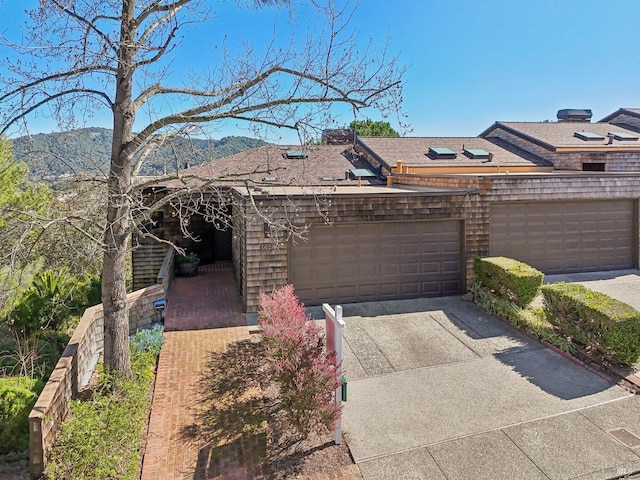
(86, 151)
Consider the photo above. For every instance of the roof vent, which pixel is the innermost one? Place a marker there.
(574, 115)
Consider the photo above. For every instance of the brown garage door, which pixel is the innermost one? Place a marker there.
(562, 237)
(368, 261)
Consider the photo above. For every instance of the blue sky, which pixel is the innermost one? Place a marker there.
(471, 62)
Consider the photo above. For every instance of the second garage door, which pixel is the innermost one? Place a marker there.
(563, 237)
(370, 261)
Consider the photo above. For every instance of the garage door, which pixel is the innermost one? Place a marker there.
(562, 237)
(369, 261)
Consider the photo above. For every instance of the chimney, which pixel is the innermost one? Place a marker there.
(338, 136)
(581, 115)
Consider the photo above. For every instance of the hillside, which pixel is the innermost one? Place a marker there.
(87, 151)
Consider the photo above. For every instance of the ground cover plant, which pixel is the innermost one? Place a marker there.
(104, 434)
(17, 397)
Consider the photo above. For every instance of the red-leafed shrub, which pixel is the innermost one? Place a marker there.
(305, 373)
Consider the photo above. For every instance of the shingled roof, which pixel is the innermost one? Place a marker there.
(632, 112)
(554, 135)
(414, 151)
(284, 165)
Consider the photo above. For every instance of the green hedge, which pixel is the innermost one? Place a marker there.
(595, 320)
(17, 398)
(510, 278)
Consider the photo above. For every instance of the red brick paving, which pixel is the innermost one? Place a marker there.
(209, 299)
(204, 314)
(168, 456)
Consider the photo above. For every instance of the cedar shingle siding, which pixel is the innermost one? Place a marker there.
(534, 174)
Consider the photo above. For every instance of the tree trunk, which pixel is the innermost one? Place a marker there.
(116, 238)
(116, 309)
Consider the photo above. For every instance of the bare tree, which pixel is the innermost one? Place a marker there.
(82, 55)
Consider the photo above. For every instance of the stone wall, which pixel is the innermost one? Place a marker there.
(73, 369)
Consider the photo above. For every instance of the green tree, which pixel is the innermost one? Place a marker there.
(113, 56)
(371, 128)
(21, 203)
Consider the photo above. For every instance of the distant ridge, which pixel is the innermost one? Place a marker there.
(87, 150)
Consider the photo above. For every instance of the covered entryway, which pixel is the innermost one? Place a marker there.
(563, 237)
(372, 261)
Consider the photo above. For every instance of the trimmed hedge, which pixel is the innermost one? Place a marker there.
(595, 320)
(510, 278)
(16, 401)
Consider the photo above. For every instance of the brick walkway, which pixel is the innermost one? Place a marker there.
(204, 314)
(207, 300)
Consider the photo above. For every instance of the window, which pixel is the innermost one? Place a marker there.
(593, 167)
(477, 153)
(441, 153)
(623, 136)
(582, 135)
(295, 154)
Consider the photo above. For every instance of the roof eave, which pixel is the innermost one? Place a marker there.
(599, 148)
(620, 111)
(524, 136)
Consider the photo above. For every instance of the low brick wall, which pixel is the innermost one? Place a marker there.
(167, 271)
(77, 360)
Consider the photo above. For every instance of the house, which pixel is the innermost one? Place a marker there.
(393, 218)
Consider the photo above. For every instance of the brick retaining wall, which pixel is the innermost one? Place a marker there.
(77, 361)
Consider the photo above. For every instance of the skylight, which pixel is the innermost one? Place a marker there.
(295, 154)
(476, 153)
(441, 152)
(583, 135)
(623, 136)
(362, 173)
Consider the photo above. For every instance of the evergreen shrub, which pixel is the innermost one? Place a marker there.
(510, 278)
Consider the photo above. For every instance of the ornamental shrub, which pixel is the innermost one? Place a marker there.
(306, 375)
(530, 319)
(147, 340)
(510, 278)
(595, 319)
(17, 398)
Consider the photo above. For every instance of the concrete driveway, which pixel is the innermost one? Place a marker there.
(440, 390)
